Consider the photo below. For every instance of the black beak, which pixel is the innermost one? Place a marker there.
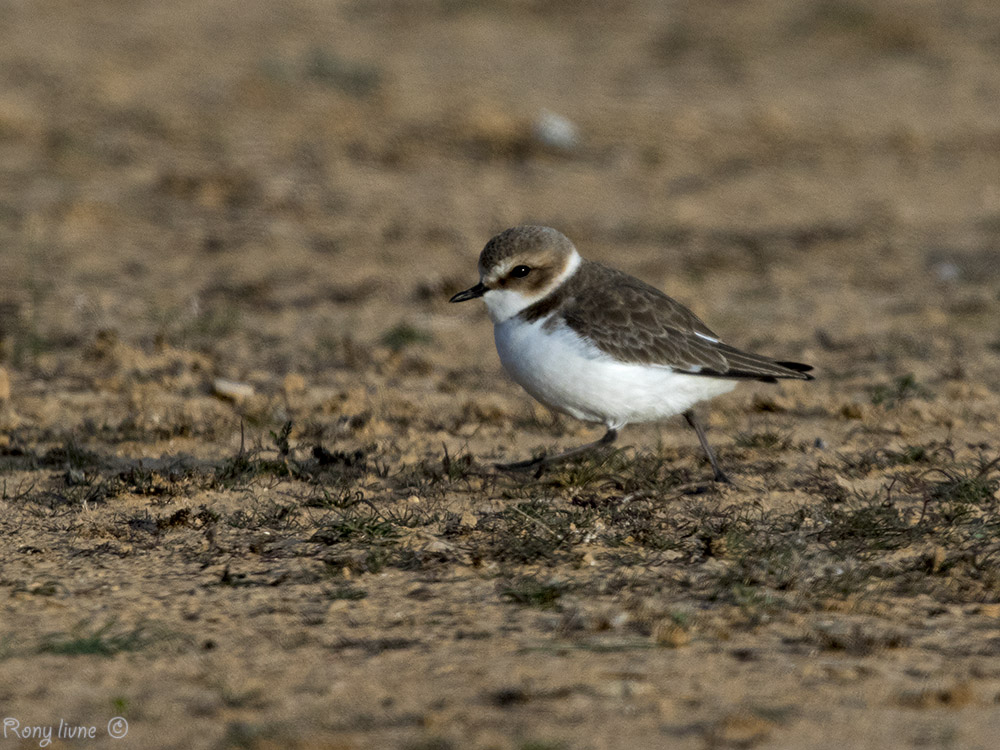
(477, 291)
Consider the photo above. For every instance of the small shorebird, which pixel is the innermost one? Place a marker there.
(600, 345)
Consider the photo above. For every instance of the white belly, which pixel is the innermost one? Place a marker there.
(568, 374)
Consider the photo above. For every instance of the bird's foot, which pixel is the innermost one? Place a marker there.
(722, 478)
(530, 463)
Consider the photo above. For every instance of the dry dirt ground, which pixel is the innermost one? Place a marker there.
(284, 195)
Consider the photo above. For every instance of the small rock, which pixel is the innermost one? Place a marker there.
(555, 131)
(4, 385)
(946, 270)
(670, 634)
(74, 477)
(232, 389)
(936, 558)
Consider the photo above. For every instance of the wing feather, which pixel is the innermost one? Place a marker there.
(635, 322)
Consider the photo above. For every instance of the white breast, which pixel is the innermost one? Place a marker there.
(569, 374)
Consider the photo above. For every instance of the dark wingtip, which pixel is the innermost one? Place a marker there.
(798, 367)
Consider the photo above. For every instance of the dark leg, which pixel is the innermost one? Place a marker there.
(720, 475)
(609, 437)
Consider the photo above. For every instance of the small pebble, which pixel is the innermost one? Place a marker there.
(232, 389)
(947, 271)
(555, 131)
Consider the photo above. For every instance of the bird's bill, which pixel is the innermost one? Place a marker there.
(471, 293)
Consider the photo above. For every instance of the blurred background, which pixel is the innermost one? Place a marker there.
(228, 233)
(299, 186)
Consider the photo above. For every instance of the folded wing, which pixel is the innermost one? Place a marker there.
(635, 322)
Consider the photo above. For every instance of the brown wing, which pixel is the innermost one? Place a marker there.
(635, 322)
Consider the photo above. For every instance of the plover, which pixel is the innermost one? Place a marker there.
(601, 345)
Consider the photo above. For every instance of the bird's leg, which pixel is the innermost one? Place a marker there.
(609, 437)
(720, 475)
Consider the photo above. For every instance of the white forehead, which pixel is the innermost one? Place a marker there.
(499, 269)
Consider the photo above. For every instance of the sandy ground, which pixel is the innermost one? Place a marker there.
(284, 195)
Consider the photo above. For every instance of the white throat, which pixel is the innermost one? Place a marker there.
(503, 304)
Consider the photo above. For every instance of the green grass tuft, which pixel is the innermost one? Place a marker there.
(403, 335)
(528, 591)
(101, 640)
(902, 389)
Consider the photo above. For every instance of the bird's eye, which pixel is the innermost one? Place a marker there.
(519, 272)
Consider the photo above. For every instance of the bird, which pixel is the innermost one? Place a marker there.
(600, 345)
